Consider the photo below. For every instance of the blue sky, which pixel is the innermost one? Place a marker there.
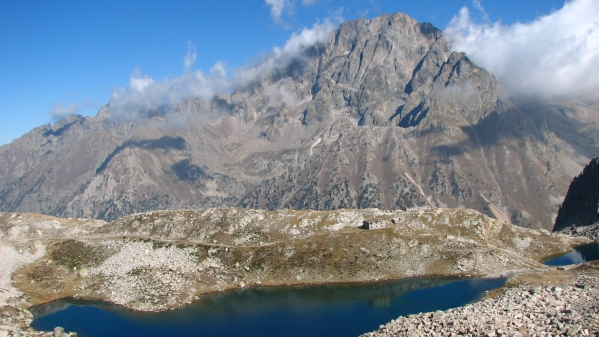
(75, 54)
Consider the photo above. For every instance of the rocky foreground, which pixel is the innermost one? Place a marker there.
(568, 308)
(166, 259)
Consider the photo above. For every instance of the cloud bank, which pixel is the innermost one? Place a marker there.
(554, 57)
(294, 49)
(62, 109)
(145, 97)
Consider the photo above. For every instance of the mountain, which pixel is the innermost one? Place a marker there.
(382, 115)
(579, 213)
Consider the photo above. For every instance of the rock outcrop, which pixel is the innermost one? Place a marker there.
(579, 213)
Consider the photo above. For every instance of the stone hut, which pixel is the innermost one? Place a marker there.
(374, 224)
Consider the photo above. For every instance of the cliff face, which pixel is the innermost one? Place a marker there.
(381, 115)
(581, 205)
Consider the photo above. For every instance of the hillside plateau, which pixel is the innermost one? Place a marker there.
(165, 259)
(381, 115)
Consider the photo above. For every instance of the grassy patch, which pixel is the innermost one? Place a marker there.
(136, 272)
(41, 274)
(72, 253)
(161, 244)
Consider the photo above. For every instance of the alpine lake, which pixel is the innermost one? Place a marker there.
(316, 310)
(313, 310)
(580, 254)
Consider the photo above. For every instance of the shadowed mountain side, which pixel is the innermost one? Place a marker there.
(58, 132)
(561, 119)
(581, 205)
(187, 171)
(163, 142)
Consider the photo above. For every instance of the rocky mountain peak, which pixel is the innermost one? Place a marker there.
(366, 67)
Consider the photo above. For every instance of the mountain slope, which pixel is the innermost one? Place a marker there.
(381, 115)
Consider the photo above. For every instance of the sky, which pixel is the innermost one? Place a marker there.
(60, 57)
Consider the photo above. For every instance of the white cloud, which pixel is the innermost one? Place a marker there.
(146, 97)
(278, 91)
(277, 7)
(298, 43)
(555, 56)
(481, 9)
(458, 92)
(293, 49)
(190, 57)
(138, 82)
(61, 110)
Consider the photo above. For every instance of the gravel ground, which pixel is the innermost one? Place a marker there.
(549, 310)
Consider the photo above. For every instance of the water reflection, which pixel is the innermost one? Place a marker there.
(580, 254)
(327, 310)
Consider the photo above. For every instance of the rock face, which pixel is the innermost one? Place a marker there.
(579, 214)
(381, 115)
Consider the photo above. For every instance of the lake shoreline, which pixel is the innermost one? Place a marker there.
(581, 282)
(328, 310)
(91, 301)
(527, 308)
(270, 286)
(162, 260)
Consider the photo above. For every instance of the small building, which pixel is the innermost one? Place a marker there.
(374, 224)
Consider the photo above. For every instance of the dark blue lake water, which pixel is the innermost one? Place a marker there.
(324, 310)
(580, 254)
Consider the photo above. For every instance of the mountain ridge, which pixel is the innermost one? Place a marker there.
(381, 115)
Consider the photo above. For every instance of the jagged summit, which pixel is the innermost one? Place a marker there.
(382, 114)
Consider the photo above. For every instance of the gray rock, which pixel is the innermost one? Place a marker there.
(58, 331)
(438, 315)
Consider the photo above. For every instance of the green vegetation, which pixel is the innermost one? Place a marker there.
(77, 254)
